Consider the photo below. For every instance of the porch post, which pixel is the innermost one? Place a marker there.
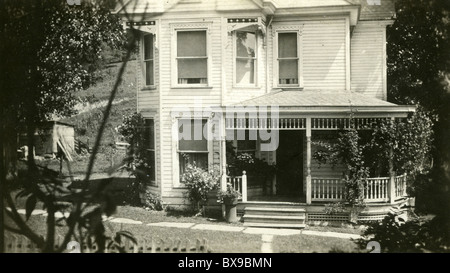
(308, 160)
(223, 154)
(244, 186)
(391, 188)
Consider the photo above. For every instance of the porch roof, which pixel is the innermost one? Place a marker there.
(325, 101)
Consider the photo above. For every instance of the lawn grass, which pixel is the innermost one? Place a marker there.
(311, 244)
(217, 241)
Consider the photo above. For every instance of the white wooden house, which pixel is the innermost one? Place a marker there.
(221, 64)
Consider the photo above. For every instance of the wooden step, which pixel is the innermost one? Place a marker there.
(275, 217)
(275, 225)
(274, 211)
(278, 216)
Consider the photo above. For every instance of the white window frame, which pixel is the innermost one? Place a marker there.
(288, 29)
(176, 152)
(256, 59)
(175, 28)
(143, 61)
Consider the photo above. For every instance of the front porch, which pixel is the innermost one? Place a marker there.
(297, 121)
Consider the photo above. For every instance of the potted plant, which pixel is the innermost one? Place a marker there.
(229, 198)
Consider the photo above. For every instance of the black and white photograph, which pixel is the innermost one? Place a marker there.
(245, 127)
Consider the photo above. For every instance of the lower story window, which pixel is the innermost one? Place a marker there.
(149, 154)
(192, 144)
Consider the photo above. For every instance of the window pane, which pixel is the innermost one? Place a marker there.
(192, 69)
(200, 159)
(245, 44)
(196, 141)
(149, 79)
(150, 160)
(288, 71)
(287, 45)
(149, 134)
(191, 43)
(245, 71)
(148, 47)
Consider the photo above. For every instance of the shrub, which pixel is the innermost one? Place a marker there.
(199, 183)
(417, 235)
(153, 201)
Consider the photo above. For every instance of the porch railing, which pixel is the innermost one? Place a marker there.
(239, 183)
(376, 189)
(400, 186)
(327, 189)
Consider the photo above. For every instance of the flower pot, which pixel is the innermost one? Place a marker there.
(230, 209)
(230, 201)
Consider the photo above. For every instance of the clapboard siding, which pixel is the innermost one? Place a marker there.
(324, 54)
(367, 73)
(323, 47)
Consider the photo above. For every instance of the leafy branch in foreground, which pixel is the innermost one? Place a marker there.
(84, 208)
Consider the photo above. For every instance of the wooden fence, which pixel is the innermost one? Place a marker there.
(21, 244)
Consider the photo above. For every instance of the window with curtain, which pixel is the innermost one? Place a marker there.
(288, 58)
(245, 48)
(149, 144)
(192, 57)
(194, 149)
(149, 59)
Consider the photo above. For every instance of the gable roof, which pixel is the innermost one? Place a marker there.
(375, 9)
(369, 9)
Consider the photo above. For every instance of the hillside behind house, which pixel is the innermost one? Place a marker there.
(90, 109)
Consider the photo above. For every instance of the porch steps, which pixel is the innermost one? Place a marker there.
(275, 217)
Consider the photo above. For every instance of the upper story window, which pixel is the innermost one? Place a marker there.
(288, 59)
(245, 58)
(149, 59)
(192, 57)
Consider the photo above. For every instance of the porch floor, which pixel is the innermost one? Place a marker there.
(277, 198)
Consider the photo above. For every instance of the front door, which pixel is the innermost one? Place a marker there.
(290, 164)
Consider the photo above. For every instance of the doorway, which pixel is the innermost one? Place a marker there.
(290, 164)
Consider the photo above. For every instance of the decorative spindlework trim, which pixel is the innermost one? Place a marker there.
(242, 20)
(145, 26)
(142, 23)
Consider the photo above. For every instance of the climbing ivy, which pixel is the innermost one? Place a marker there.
(406, 143)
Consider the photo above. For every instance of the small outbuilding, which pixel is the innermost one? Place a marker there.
(51, 138)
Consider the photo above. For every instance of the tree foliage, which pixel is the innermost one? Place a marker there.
(418, 52)
(49, 50)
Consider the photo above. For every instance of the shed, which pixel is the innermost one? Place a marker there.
(51, 137)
